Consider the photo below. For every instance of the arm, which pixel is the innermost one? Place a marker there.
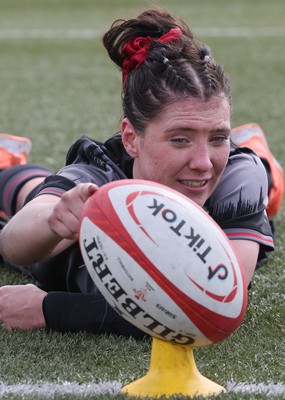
(45, 226)
(21, 307)
(28, 307)
(247, 252)
(238, 206)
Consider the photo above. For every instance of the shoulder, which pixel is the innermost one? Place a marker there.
(104, 155)
(239, 202)
(244, 180)
(81, 149)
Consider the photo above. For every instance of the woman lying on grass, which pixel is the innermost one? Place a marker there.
(176, 131)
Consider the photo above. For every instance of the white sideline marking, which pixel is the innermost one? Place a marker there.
(73, 34)
(240, 32)
(50, 389)
(46, 33)
(271, 389)
(113, 387)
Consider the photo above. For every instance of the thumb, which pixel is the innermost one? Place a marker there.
(88, 190)
(92, 188)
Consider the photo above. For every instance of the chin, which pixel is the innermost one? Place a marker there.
(198, 200)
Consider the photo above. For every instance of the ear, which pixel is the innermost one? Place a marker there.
(129, 138)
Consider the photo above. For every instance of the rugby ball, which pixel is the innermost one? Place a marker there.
(162, 263)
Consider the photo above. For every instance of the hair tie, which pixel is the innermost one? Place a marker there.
(136, 49)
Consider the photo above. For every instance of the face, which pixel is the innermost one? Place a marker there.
(185, 148)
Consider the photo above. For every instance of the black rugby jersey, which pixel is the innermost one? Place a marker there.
(238, 206)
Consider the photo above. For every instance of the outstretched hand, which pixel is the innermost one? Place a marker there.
(21, 307)
(64, 217)
(51, 225)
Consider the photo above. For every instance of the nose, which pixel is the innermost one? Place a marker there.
(200, 158)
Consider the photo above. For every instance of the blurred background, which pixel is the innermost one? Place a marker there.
(58, 83)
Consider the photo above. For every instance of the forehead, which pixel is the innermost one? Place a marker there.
(214, 113)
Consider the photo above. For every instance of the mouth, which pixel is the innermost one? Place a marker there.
(193, 183)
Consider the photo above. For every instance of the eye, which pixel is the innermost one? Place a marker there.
(219, 139)
(179, 140)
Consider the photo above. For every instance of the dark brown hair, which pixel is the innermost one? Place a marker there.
(177, 69)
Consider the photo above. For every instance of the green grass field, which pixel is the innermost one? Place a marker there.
(56, 84)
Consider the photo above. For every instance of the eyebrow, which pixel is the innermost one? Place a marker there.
(190, 129)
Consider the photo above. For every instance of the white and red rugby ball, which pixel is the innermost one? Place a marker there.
(162, 262)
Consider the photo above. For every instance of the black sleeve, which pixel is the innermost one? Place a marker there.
(77, 312)
(238, 204)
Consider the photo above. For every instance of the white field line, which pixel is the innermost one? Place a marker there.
(50, 389)
(74, 34)
(46, 33)
(113, 387)
(270, 389)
